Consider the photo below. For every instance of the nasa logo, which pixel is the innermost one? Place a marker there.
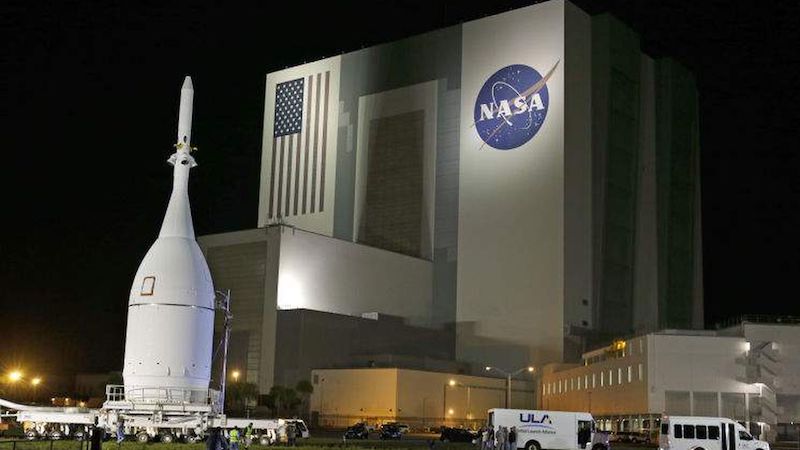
(512, 106)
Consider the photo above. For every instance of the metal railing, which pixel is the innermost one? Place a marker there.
(162, 395)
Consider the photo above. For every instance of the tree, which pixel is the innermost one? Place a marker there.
(282, 400)
(240, 395)
(305, 389)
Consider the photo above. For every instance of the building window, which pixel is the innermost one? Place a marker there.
(641, 372)
(559, 386)
(579, 383)
(602, 379)
(594, 384)
(641, 346)
(586, 381)
(630, 374)
(619, 375)
(610, 377)
(572, 384)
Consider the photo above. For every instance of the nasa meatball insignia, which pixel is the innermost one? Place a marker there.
(512, 106)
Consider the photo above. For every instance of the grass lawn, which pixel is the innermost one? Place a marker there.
(310, 444)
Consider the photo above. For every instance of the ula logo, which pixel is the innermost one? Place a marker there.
(530, 418)
(511, 106)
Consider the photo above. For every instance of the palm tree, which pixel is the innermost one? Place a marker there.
(305, 389)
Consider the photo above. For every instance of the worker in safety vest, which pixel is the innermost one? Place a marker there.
(233, 437)
(248, 435)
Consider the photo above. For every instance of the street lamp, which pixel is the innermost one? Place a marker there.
(508, 376)
(14, 376)
(235, 374)
(36, 381)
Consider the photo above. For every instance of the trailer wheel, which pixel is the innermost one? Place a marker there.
(142, 437)
(31, 435)
(167, 438)
(79, 435)
(55, 435)
(264, 440)
(532, 445)
(191, 438)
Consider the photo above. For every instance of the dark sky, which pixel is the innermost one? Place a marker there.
(89, 93)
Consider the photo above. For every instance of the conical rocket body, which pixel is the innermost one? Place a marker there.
(170, 329)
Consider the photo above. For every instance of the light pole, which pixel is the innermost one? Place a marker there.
(509, 375)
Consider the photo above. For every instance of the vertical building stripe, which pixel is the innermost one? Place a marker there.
(280, 177)
(324, 142)
(296, 171)
(316, 145)
(272, 179)
(308, 130)
(290, 149)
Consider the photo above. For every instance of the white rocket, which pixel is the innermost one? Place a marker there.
(170, 331)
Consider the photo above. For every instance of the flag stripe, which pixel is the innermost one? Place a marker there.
(289, 173)
(324, 142)
(272, 178)
(316, 146)
(308, 131)
(280, 177)
(297, 172)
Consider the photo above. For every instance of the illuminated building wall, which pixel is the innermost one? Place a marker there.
(527, 181)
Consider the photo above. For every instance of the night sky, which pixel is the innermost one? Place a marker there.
(89, 95)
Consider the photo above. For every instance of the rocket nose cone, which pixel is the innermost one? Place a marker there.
(187, 83)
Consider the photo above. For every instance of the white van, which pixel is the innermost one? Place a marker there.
(706, 433)
(537, 430)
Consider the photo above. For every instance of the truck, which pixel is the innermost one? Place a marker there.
(706, 433)
(538, 430)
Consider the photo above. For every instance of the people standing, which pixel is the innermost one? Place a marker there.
(512, 439)
(248, 435)
(291, 434)
(233, 437)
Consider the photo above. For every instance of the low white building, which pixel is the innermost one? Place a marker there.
(749, 372)
(421, 399)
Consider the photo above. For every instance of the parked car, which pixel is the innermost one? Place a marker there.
(457, 435)
(390, 432)
(357, 431)
(403, 427)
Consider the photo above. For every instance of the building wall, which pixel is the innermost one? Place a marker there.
(671, 372)
(281, 267)
(325, 274)
(511, 203)
(616, 103)
(689, 366)
(587, 387)
(413, 396)
(311, 339)
(677, 175)
(579, 301)
(245, 262)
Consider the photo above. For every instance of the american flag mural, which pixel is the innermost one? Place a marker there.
(299, 146)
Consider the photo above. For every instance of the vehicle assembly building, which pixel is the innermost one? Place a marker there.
(526, 185)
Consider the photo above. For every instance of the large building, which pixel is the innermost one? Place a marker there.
(749, 372)
(527, 183)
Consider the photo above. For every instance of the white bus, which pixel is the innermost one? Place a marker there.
(706, 433)
(537, 430)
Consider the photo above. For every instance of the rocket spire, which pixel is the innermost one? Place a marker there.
(178, 219)
(185, 114)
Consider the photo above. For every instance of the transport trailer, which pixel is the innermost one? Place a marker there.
(163, 421)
